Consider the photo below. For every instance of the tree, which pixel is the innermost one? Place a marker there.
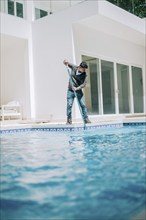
(137, 7)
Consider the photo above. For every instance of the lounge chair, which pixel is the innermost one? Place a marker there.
(11, 110)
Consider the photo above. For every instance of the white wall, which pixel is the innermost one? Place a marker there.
(101, 45)
(118, 14)
(97, 44)
(59, 27)
(15, 61)
(14, 26)
(53, 42)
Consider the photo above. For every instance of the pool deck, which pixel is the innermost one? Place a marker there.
(99, 121)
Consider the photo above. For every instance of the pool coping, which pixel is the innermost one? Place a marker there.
(57, 127)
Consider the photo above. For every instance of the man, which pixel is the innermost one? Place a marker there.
(79, 75)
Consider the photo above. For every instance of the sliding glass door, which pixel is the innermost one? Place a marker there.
(108, 88)
(137, 84)
(92, 88)
(113, 88)
(123, 88)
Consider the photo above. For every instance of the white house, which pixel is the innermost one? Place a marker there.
(109, 38)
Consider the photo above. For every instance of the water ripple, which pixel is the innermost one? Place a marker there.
(98, 175)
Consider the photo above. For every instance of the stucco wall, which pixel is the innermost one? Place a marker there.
(52, 43)
(15, 61)
(62, 36)
(14, 72)
(102, 45)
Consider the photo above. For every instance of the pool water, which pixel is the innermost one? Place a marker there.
(91, 175)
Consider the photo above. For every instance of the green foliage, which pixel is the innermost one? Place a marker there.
(137, 7)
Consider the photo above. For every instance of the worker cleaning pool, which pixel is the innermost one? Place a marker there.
(77, 81)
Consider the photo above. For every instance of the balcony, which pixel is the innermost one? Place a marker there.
(19, 8)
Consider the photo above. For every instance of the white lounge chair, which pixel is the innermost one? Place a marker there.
(11, 110)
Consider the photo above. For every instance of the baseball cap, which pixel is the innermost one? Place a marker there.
(84, 65)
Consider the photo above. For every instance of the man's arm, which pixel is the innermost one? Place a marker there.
(70, 65)
(81, 86)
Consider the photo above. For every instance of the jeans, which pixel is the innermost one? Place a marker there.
(70, 100)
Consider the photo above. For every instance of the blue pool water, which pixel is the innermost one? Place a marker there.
(91, 175)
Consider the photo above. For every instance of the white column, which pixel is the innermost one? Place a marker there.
(116, 89)
(131, 91)
(30, 16)
(144, 86)
(100, 90)
(29, 10)
(3, 6)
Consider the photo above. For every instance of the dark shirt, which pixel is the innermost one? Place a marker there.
(79, 79)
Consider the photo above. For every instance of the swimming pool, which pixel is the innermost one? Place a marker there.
(98, 174)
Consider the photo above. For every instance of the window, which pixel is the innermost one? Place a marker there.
(91, 90)
(123, 88)
(15, 8)
(11, 9)
(39, 13)
(19, 8)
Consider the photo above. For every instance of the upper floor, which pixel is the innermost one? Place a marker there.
(20, 15)
(37, 9)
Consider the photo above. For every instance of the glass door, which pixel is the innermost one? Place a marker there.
(137, 84)
(108, 88)
(123, 88)
(91, 90)
(106, 93)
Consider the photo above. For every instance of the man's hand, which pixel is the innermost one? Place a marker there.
(75, 88)
(66, 62)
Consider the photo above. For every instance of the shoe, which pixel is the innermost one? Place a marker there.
(87, 121)
(69, 121)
